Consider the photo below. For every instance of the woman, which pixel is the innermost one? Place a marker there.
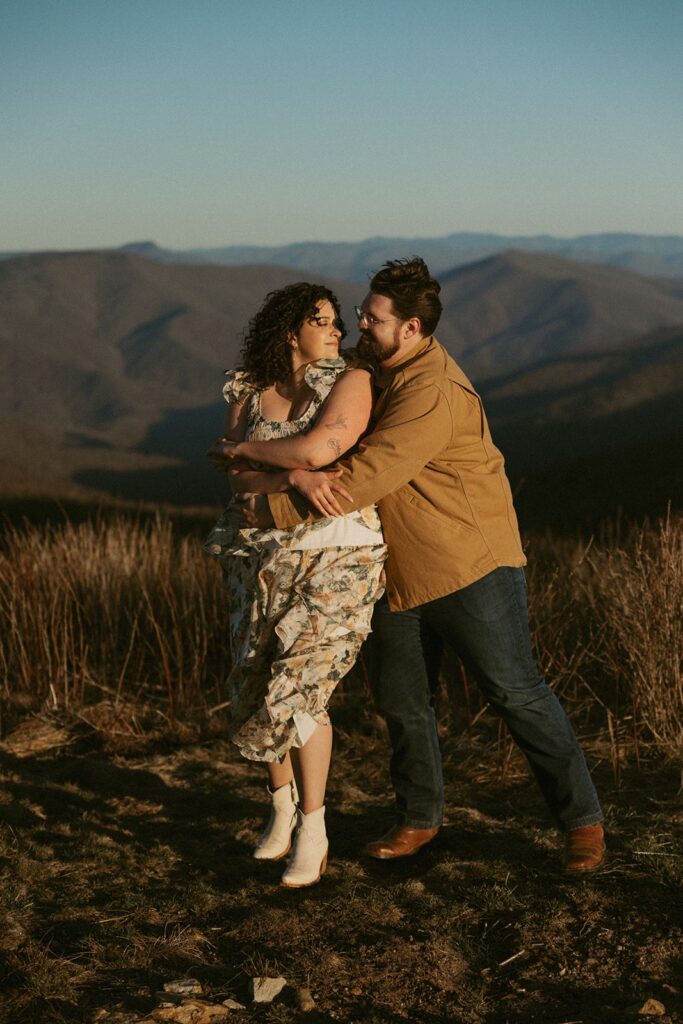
(301, 600)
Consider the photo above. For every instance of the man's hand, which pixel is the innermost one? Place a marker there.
(255, 511)
(319, 488)
(222, 453)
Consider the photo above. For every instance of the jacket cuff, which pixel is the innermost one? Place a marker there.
(289, 509)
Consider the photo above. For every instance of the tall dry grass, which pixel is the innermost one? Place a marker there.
(639, 612)
(113, 608)
(607, 619)
(136, 613)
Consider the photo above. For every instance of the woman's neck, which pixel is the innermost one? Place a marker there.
(293, 385)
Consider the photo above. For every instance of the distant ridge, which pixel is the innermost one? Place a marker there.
(653, 255)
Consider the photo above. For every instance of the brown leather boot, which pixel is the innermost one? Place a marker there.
(584, 848)
(400, 841)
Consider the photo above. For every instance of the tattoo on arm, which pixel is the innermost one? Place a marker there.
(341, 421)
(334, 444)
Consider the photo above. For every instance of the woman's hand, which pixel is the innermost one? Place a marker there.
(222, 453)
(319, 488)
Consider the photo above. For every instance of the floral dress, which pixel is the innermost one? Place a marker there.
(301, 599)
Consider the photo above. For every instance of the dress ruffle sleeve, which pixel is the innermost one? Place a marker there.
(238, 387)
(321, 376)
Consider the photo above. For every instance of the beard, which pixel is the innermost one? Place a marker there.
(375, 351)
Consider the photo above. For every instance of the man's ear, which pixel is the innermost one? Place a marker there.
(414, 327)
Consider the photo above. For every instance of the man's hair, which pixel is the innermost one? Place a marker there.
(412, 289)
(266, 355)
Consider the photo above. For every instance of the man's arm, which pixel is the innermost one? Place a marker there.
(415, 427)
(245, 480)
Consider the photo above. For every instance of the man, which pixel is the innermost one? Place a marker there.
(454, 567)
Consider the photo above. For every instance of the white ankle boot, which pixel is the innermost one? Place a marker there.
(276, 840)
(309, 852)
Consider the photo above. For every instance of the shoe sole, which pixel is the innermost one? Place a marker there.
(393, 856)
(584, 871)
(397, 856)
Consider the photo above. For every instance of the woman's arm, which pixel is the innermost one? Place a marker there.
(235, 421)
(341, 421)
(234, 429)
(242, 478)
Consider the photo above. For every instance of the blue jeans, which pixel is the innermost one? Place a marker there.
(486, 624)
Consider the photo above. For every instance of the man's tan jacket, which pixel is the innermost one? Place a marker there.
(438, 479)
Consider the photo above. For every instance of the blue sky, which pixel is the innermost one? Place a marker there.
(216, 122)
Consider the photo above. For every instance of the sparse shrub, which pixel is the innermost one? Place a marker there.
(130, 612)
(115, 608)
(639, 605)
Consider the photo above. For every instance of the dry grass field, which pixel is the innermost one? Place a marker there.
(127, 820)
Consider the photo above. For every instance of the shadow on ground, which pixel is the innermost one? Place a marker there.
(124, 872)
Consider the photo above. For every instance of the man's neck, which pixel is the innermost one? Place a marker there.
(402, 354)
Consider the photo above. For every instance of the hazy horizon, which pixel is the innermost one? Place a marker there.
(346, 241)
(220, 124)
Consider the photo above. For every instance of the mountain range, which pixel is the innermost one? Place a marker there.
(111, 367)
(658, 255)
(654, 255)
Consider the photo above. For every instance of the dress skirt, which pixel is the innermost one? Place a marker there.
(297, 622)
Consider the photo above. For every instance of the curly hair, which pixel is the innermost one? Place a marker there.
(265, 353)
(412, 289)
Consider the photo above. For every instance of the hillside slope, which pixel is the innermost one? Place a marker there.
(95, 348)
(111, 364)
(511, 311)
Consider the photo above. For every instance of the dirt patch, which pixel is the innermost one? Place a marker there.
(123, 871)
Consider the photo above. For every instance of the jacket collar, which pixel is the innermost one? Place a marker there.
(385, 374)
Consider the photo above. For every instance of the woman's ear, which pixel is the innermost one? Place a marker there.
(292, 341)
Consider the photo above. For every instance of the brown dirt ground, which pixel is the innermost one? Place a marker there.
(124, 869)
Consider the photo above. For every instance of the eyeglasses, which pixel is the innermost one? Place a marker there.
(370, 320)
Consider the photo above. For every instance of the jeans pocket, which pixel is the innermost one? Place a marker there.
(493, 596)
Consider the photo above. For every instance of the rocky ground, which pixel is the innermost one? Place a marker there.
(129, 893)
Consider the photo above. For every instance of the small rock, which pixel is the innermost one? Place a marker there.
(266, 989)
(192, 1011)
(184, 987)
(232, 1004)
(169, 998)
(116, 1017)
(305, 1000)
(652, 1008)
